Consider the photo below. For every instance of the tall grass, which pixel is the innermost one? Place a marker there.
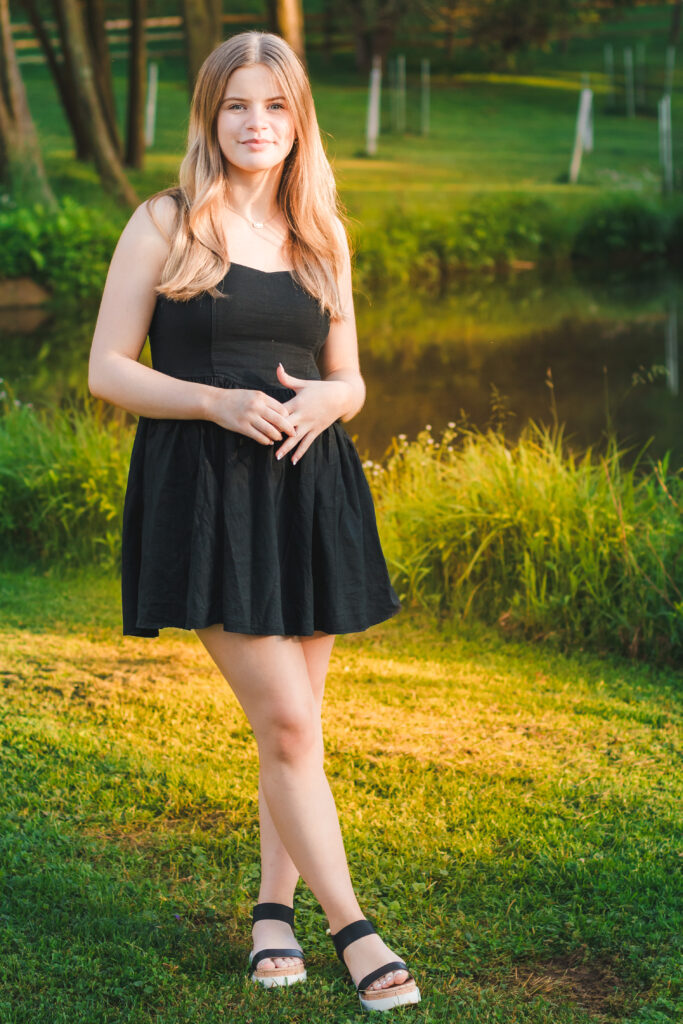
(543, 539)
(576, 546)
(62, 479)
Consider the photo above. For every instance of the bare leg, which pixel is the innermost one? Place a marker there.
(269, 676)
(279, 874)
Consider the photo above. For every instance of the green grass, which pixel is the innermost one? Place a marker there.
(488, 130)
(510, 816)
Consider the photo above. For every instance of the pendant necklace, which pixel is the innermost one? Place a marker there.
(253, 223)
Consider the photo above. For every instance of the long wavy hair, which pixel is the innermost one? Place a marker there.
(307, 193)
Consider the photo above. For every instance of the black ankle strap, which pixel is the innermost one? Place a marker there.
(349, 933)
(273, 912)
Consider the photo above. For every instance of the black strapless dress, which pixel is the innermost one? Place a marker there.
(217, 530)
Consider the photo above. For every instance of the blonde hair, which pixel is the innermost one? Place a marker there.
(307, 193)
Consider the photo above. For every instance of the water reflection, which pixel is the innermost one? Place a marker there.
(609, 350)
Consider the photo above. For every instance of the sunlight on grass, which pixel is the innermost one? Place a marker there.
(494, 800)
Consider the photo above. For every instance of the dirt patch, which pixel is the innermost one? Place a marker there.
(593, 986)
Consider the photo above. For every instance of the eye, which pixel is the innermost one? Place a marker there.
(231, 106)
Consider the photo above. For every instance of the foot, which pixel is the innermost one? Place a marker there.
(367, 954)
(271, 934)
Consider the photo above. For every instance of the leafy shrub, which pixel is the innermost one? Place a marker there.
(625, 231)
(68, 249)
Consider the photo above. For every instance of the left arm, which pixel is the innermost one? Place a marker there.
(317, 403)
(338, 359)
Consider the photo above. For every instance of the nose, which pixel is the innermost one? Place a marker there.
(256, 118)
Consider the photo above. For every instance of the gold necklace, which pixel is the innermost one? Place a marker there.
(253, 223)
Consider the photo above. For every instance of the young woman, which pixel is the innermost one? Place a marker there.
(247, 515)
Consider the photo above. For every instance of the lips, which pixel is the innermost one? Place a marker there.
(255, 142)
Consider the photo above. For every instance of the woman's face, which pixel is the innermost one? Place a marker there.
(253, 108)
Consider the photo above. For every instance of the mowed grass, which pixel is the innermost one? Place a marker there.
(511, 817)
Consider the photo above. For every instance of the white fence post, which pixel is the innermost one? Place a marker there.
(372, 124)
(582, 120)
(151, 104)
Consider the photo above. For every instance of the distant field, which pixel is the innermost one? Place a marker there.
(511, 130)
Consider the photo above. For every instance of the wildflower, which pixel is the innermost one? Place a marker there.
(451, 424)
(428, 426)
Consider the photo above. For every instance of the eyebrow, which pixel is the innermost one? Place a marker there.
(269, 100)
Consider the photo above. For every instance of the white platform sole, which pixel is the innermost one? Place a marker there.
(389, 1001)
(278, 979)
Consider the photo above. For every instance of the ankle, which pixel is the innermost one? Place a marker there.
(340, 918)
(274, 897)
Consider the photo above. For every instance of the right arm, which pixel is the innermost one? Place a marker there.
(126, 309)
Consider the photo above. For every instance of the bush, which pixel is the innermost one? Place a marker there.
(62, 481)
(68, 249)
(536, 537)
(624, 232)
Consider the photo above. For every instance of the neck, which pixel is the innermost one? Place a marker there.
(254, 195)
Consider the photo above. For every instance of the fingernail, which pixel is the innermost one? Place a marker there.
(294, 461)
(279, 455)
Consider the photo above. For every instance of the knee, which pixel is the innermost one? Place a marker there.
(291, 734)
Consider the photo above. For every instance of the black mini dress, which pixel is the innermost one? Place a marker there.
(215, 529)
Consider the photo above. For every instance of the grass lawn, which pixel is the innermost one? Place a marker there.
(512, 820)
(511, 130)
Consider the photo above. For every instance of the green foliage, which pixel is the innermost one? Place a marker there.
(62, 477)
(421, 246)
(622, 231)
(537, 537)
(68, 249)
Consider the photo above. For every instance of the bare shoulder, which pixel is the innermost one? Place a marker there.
(153, 224)
(129, 296)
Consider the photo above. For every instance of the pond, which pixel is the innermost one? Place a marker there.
(587, 352)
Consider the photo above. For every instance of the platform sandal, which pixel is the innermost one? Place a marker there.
(268, 977)
(382, 998)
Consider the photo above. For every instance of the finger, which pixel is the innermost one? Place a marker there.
(288, 380)
(286, 425)
(264, 426)
(291, 442)
(273, 404)
(305, 443)
(276, 413)
(257, 435)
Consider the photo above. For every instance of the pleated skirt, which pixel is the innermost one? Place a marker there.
(217, 530)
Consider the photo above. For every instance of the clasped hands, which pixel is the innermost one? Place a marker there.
(316, 404)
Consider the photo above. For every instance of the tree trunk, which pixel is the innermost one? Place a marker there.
(203, 33)
(101, 64)
(362, 37)
(675, 29)
(271, 15)
(106, 157)
(62, 78)
(137, 72)
(21, 163)
(290, 19)
(329, 26)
